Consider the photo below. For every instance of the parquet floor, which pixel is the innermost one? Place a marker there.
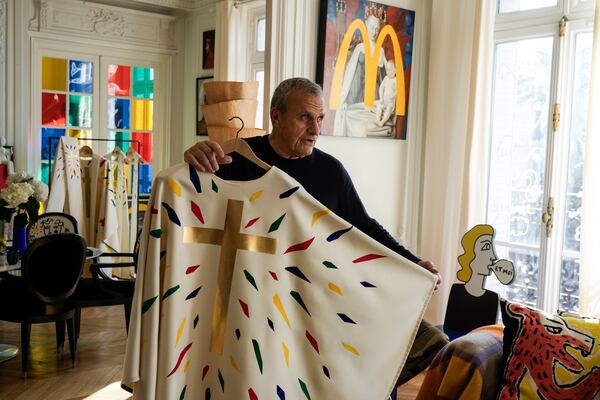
(101, 349)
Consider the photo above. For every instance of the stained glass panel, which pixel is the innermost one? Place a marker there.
(119, 80)
(54, 74)
(143, 83)
(146, 140)
(81, 134)
(54, 109)
(119, 140)
(45, 173)
(80, 111)
(49, 145)
(118, 113)
(142, 115)
(80, 76)
(145, 181)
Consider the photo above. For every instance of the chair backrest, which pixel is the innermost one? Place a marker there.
(51, 223)
(52, 265)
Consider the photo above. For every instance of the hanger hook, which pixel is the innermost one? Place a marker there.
(239, 130)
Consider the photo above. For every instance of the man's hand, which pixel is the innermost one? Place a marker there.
(206, 156)
(428, 265)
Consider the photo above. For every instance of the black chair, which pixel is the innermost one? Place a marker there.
(51, 223)
(50, 268)
(103, 289)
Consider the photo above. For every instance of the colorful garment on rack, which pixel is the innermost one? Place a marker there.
(254, 290)
(66, 190)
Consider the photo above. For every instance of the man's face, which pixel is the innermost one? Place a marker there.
(295, 130)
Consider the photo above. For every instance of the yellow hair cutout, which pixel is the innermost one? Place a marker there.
(468, 245)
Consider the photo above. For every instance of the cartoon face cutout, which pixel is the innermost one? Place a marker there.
(485, 255)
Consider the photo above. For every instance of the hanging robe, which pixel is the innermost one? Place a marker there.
(107, 228)
(133, 159)
(254, 290)
(66, 193)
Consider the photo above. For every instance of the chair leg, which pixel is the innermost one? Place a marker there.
(71, 331)
(25, 336)
(60, 338)
(127, 307)
(77, 318)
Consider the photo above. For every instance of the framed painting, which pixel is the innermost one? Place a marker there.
(201, 128)
(364, 64)
(208, 49)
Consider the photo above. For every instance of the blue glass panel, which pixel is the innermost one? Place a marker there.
(49, 145)
(145, 177)
(80, 76)
(118, 113)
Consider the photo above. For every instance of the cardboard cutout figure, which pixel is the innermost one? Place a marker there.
(470, 305)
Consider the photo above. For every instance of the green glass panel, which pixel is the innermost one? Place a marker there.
(120, 139)
(45, 173)
(80, 111)
(143, 83)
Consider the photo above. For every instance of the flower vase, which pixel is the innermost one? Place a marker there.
(19, 239)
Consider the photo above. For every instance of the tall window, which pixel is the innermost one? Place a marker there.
(256, 72)
(540, 90)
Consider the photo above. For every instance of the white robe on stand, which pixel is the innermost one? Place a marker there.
(133, 159)
(66, 193)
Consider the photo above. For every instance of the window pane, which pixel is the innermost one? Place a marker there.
(80, 111)
(260, 77)
(80, 76)
(569, 282)
(522, 5)
(54, 74)
(54, 109)
(118, 113)
(119, 140)
(142, 115)
(119, 80)
(143, 83)
(519, 130)
(81, 134)
(260, 35)
(145, 175)
(145, 140)
(48, 144)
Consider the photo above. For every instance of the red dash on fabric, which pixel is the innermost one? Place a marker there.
(197, 212)
(251, 222)
(185, 349)
(205, 371)
(273, 275)
(300, 246)
(245, 308)
(313, 342)
(191, 269)
(367, 257)
(252, 395)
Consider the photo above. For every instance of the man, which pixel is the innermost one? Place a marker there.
(296, 115)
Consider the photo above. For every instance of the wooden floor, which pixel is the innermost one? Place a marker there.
(101, 349)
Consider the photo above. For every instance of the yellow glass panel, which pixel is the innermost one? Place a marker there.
(54, 74)
(81, 134)
(142, 115)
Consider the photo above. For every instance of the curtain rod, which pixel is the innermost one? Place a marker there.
(240, 2)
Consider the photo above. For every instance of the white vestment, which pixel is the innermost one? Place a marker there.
(254, 290)
(66, 193)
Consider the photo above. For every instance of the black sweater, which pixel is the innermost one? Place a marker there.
(324, 177)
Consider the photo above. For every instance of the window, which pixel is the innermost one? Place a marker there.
(68, 101)
(540, 90)
(256, 72)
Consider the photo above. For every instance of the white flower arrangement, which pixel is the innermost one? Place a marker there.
(23, 195)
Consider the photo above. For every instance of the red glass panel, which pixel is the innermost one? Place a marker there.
(146, 141)
(119, 80)
(54, 109)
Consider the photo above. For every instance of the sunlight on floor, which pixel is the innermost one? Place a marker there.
(110, 392)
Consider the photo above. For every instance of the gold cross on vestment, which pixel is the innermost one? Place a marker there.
(230, 239)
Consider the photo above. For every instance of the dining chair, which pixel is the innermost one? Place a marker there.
(104, 289)
(51, 268)
(51, 223)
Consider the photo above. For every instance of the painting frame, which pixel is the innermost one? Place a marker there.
(364, 97)
(201, 128)
(208, 49)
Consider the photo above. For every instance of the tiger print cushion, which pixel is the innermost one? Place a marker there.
(549, 357)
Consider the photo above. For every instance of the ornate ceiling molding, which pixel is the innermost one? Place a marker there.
(96, 20)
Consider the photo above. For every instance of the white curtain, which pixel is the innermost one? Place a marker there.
(589, 283)
(227, 41)
(456, 134)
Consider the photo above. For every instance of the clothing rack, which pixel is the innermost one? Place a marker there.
(135, 186)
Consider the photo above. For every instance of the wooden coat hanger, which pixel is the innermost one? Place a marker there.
(85, 151)
(242, 148)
